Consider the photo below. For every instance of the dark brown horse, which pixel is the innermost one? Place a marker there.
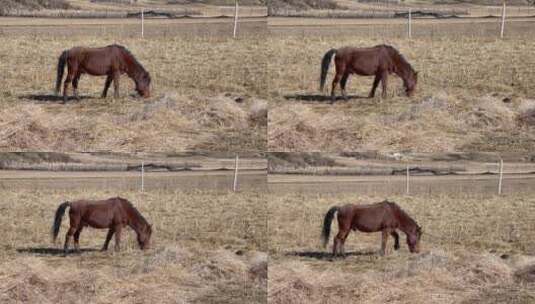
(378, 61)
(114, 213)
(112, 61)
(385, 216)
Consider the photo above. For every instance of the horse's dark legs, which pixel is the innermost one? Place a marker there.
(339, 241)
(77, 239)
(395, 235)
(118, 237)
(68, 236)
(384, 83)
(343, 83)
(107, 86)
(108, 239)
(384, 241)
(75, 85)
(66, 85)
(335, 83)
(116, 84)
(374, 87)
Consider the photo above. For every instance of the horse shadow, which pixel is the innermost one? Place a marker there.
(49, 98)
(324, 255)
(52, 251)
(321, 97)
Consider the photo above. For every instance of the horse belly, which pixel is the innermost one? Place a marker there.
(96, 66)
(98, 219)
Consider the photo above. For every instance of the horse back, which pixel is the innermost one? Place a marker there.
(98, 213)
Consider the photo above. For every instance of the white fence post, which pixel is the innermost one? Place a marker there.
(501, 178)
(409, 25)
(142, 176)
(142, 23)
(503, 21)
(235, 18)
(235, 185)
(407, 178)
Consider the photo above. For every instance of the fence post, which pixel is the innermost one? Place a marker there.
(235, 18)
(142, 23)
(142, 176)
(409, 25)
(407, 179)
(501, 178)
(503, 21)
(235, 185)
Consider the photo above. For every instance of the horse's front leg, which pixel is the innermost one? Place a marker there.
(116, 84)
(107, 84)
(384, 84)
(118, 229)
(384, 241)
(395, 235)
(374, 86)
(108, 239)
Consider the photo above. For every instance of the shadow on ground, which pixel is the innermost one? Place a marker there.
(50, 250)
(324, 255)
(321, 98)
(53, 98)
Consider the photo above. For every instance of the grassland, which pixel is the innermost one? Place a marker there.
(208, 247)
(476, 249)
(207, 90)
(475, 92)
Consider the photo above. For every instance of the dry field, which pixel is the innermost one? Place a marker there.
(207, 90)
(475, 92)
(207, 247)
(475, 249)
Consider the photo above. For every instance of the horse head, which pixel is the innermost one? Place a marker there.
(143, 84)
(413, 240)
(410, 82)
(143, 237)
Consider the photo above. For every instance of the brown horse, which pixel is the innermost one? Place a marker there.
(112, 61)
(113, 213)
(384, 216)
(378, 61)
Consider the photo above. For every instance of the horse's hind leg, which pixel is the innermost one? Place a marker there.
(395, 235)
(108, 239)
(339, 241)
(106, 86)
(384, 241)
(77, 239)
(343, 83)
(66, 84)
(68, 236)
(75, 85)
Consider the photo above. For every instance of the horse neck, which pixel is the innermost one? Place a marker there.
(136, 221)
(406, 224)
(134, 69)
(402, 67)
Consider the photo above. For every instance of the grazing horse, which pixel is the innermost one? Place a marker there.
(378, 61)
(112, 61)
(384, 216)
(113, 213)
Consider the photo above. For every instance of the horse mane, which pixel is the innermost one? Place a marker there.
(128, 53)
(133, 209)
(398, 57)
(401, 212)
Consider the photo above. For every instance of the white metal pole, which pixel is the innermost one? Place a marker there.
(501, 178)
(235, 185)
(503, 21)
(142, 176)
(409, 27)
(407, 190)
(142, 23)
(235, 18)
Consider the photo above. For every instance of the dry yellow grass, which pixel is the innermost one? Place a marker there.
(207, 94)
(208, 247)
(471, 93)
(475, 250)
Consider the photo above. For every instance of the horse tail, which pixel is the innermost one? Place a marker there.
(57, 219)
(325, 62)
(326, 231)
(61, 67)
